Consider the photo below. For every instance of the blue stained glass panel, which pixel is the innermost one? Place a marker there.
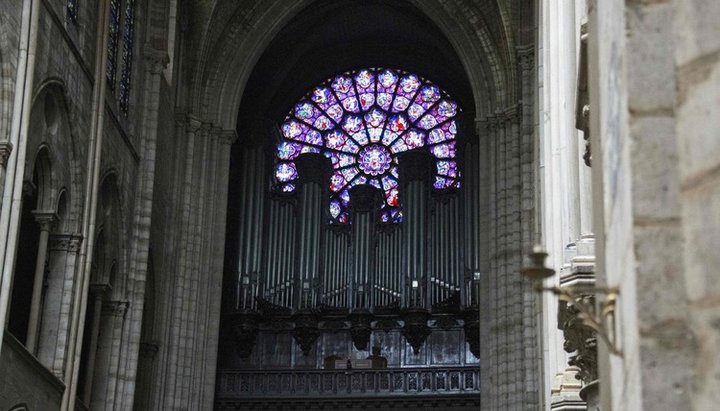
(128, 49)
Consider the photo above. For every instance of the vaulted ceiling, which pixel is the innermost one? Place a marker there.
(468, 47)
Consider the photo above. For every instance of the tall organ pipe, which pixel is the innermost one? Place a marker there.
(473, 216)
(251, 218)
(308, 241)
(415, 234)
(362, 240)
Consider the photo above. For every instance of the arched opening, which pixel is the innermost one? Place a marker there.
(365, 269)
(36, 221)
(105, 314)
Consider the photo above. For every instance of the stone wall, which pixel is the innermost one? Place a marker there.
(697, 121)
(24, 381)
(654, 86)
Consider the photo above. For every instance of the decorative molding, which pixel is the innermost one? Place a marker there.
(579, 339)
(245, 326)
(65, 242)
(306, 330)
(5, 150)
(416, 329)
(360, 328)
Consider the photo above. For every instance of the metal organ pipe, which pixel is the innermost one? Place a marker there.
(415, 233)
(363, 228)
(308, 238)
(251, 221)
(475, 186)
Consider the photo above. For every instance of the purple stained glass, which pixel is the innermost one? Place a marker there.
(447, 168)
(428, 121)
(286, 172)
(398, 123)
(305, 110)
(352, 124)
(342, 84)
(322, 95)
(361, 121)
(288, 151)
(444, 150)
(414, 139)
(375, 118)
(374, 160)
(442, 182)
(365, 79)
(335, 208)
(292, 129)
(389, 137)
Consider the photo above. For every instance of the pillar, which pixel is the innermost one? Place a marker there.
(45, 220)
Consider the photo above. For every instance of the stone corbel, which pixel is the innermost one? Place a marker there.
(155, 60)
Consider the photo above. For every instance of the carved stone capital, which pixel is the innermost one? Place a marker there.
(513, 114)
(228, 137)
(188, 122)
(155, 60)
(45, 218)
(5, 150)
(116, 309)
(526, 57)
(580, 340)
(65, 242)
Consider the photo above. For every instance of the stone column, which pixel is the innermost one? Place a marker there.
(97, 293)
(45, 220)
(112, 320)
(63, 252)
(155, 60)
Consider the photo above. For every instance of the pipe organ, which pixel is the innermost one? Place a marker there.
(337, 254)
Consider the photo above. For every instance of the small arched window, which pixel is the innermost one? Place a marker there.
(362, 120)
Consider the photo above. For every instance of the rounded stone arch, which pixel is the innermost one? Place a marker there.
(42, 177)
(109, 261)
(222, 69)
(51, 128)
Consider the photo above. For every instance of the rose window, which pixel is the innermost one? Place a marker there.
(362, 121)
